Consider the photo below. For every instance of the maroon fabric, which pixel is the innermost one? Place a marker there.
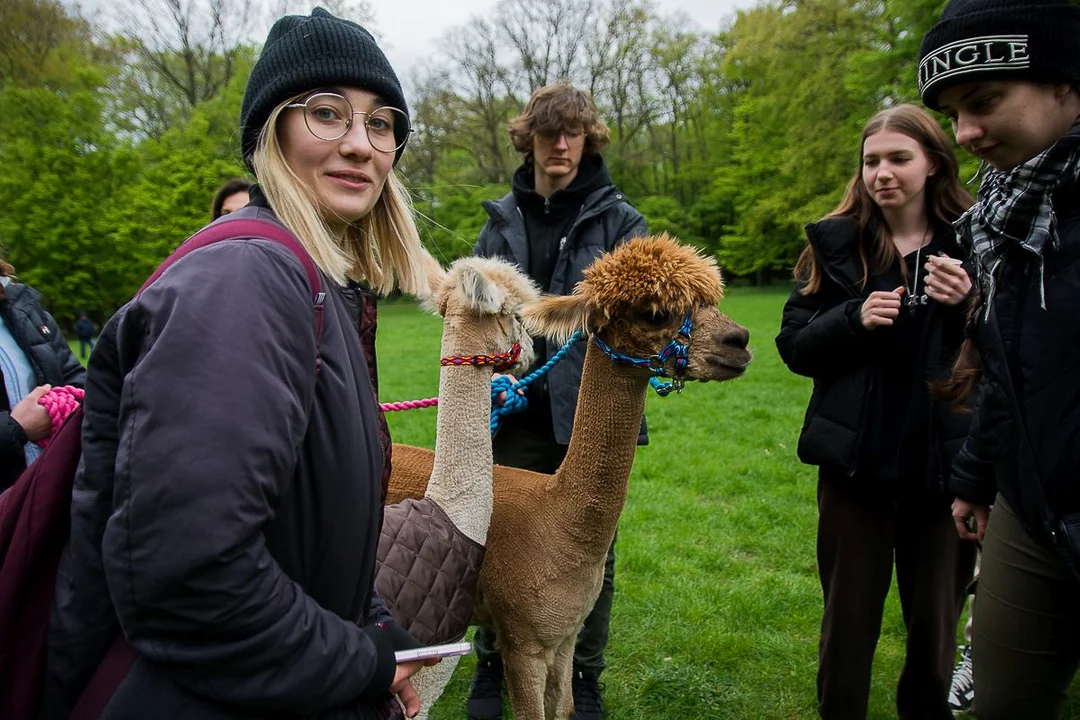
(389, 708)
(369, 323)
(35, 521)
(234, 230)
(34, 524)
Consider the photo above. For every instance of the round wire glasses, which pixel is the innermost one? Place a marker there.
(329, 116)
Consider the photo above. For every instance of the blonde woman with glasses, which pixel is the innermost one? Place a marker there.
(226, 517)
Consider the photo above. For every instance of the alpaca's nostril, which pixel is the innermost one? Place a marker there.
(736, 337)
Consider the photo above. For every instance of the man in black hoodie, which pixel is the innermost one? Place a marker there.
(562, 212)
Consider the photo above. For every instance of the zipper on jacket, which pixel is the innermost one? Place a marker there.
(573, 226)
(1015, 378)
(939, 473)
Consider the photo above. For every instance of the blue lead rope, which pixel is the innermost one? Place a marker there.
(678, 348)
(515, 403)
(663, 389)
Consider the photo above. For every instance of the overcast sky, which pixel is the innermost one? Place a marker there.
(409, 29)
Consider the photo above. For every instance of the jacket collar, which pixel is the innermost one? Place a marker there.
(591, 176)
(835, 241)
(507, 215)
(836, 246)
(16, 293)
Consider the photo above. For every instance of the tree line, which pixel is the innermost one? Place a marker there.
(112, 142)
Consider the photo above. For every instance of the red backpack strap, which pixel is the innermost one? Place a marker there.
(253, 228)
(105, 681)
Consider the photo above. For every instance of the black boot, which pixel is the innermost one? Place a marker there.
(486, 693)
(588, 703)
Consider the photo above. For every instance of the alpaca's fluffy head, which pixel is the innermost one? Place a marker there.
(651, 275)
(480, 300)
(485, 286)
(636, 298)
(654, 274)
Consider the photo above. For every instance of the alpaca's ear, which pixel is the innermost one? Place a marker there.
(555, 316)
(481, 295)
(467, 280)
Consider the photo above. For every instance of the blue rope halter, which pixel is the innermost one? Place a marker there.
(515, 403)
(678, 348)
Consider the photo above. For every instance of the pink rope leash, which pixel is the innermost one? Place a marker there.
(409, 404)
(59, 403)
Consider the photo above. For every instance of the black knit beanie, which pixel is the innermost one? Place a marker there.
(1034, 40)
(305, 53)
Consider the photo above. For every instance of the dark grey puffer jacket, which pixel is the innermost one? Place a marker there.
(228, 509)
(606, 219)
(45, 348)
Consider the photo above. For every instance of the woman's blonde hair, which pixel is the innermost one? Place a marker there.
(381, 249)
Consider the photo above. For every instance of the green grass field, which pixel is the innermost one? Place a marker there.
(717, 602)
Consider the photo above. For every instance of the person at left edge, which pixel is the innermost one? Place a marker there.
(227, 512)
(33, 357)
(230, 197)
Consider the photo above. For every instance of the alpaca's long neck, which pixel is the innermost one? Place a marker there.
(461, 478)
(593, 478)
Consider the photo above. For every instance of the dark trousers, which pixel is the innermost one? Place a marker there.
(857, 544)
(1025, 641)
(84, 345)
(518, 444)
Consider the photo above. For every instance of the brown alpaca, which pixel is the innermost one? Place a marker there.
(549, 534)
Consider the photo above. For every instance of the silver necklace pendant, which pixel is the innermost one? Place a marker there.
(912, 296)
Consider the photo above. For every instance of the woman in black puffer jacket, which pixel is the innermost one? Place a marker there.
(1014, 101)
(877, 314)
(33, 357)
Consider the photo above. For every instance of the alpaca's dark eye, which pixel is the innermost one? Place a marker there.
(655, 318)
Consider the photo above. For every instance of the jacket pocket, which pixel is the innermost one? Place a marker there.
(834, 419)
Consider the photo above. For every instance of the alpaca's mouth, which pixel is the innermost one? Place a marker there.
(732, 367)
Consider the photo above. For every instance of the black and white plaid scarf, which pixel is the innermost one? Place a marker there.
(1015, 208)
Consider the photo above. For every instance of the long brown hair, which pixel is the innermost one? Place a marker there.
(946, 198)
(959, 385)
(8, 271)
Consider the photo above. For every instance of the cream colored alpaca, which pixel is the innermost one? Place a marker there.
(479, 300)
(549, 534)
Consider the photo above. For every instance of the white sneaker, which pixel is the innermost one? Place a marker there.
(962, 692)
